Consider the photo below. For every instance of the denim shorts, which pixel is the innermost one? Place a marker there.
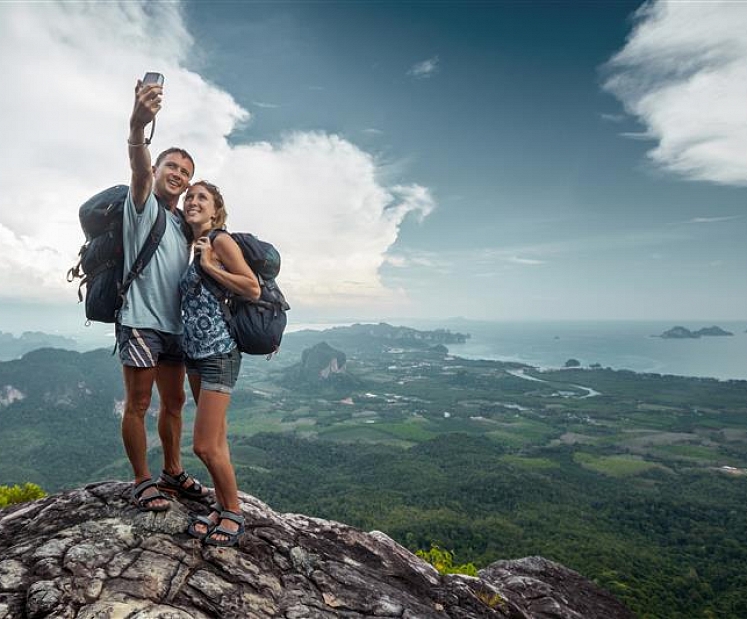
(217, 372)
(146, 348)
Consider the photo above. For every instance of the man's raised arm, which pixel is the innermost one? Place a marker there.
(147, 105)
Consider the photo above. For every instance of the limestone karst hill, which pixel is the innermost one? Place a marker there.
(88, 554)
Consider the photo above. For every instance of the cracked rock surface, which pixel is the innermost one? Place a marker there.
(89, 554)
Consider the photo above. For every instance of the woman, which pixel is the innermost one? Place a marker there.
(213, 361)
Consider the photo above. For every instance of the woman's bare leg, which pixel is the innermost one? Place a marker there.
(211, 446)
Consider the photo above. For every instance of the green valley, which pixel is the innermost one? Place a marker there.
(638, 481)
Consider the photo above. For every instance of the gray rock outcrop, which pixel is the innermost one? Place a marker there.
(89, 554)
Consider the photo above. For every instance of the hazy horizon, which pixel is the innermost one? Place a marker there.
(67, 321)
(71, 321)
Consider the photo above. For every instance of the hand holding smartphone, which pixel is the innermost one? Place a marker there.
(153, 78)
(148, 104)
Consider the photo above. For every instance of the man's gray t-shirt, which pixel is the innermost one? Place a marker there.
(153, 298)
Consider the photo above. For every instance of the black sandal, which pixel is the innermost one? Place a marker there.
(174, 484)
(143, 503)
(206, 521)
(233, 536)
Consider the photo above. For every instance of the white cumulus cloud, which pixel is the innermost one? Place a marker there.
(683, 75)
(316, 196)
(73, 67)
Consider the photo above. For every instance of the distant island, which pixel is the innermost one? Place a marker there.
(386, 331)
(381, 337)
(681, 333)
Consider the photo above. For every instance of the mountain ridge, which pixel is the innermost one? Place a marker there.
(12, 347)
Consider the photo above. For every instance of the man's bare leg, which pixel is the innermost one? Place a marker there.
(138, 383)
(170, 381)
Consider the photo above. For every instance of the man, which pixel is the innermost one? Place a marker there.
(149, 326)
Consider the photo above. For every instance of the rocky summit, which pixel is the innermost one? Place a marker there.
(89, 554)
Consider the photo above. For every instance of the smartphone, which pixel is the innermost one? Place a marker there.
(153, 78)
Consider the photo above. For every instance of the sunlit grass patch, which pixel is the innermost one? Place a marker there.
(656, 421)
(614, 466)
(254, 424)
(361, 433)
(411, 430)
(722, 422)
(523, 432)
(689, 452)
(656, 407)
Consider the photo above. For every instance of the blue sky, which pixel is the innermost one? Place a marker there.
(503, 161)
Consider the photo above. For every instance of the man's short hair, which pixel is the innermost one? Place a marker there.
(179, 151)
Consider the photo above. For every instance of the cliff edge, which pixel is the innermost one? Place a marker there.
(89, 554)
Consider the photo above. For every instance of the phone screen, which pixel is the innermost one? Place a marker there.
(153, 78)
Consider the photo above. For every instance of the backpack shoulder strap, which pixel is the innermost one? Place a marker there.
(218, 291)
(186, 228)
(146, 252)
(215, 232)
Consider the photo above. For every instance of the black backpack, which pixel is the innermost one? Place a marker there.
(102, 255)
(256, 326)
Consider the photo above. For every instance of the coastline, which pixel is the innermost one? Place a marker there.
(619, 345)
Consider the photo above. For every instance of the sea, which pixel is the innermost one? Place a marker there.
(620, 345)
(630, 345)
